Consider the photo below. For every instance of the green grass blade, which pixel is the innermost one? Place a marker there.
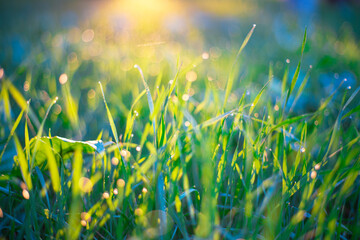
(16, 124)
(232, 74)
(258, 96)
(39, 134)
(297, 71)
(149, 98)
(53, 169)
(110, 118)
(291, 121)
(23, 163)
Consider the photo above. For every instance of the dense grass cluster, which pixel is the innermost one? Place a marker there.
(188, 156)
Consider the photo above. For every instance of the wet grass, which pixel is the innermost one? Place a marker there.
(181, 148)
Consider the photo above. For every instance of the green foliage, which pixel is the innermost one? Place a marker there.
(181, 166)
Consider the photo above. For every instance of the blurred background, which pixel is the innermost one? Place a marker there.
(64, 48)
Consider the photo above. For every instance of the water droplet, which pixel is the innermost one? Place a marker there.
(185, 97)
(1, 73)
(26, 194)
(120, 183)
(313, 174)
(83, 223)
(26, 86)
(287, 60)
(115, 191)
(317, 166)
(187, 124)
(302, 149)
(106, 195)
(115, 161)
(138, 212)
(205, 55)
(144, 190)
(349, 87)
(63, 78)
(138, 148)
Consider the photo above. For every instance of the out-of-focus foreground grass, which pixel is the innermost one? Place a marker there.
(221, 130)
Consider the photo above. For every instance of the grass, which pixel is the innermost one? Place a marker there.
(198, 157)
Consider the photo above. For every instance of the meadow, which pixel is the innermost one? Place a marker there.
(170, 122)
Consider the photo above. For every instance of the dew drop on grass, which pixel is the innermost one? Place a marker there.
(63, 78)
(287, 60)
(26, 194)
(138, 212)
(115, 161)
(144, 190)
(85, 184)
(83, 223)
(317, 166)
(26, 86)
(187, 124)
(205, 55)
(125, 154)
(1, 213)
(115, 191)
(185, 97)
(91, 94)
(313, 174)
(1, 73)
(302, 149)
(349, 87)
(106, 195)
(120, 183)
(138, 148)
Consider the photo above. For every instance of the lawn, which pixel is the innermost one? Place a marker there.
(179, 120)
